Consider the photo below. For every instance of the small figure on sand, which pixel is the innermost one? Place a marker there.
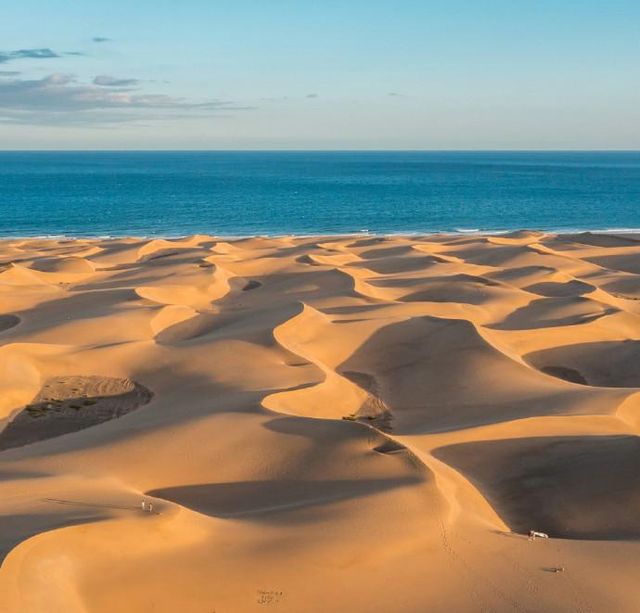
(147, 507)
(533, 535)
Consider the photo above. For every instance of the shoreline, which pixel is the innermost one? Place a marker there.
(336, 235)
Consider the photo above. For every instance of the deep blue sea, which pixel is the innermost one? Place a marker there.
(272, 193)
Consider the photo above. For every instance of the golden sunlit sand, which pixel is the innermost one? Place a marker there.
(320, 424)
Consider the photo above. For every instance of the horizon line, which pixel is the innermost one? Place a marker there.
(311, 150)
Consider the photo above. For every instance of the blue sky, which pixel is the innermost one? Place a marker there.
(244, 74)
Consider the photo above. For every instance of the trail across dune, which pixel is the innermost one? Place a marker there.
(320, 424)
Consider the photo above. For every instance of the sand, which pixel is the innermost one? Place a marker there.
(320, 424)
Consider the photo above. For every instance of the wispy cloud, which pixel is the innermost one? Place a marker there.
(34, 54)
(59, 99)
(312, 95)
(19, 54)
(107, 81)
(101, 39)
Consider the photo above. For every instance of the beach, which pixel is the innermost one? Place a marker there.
(322, 423)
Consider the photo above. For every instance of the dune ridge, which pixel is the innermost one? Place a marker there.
(320, 423)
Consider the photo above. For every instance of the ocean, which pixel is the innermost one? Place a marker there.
(274, 193)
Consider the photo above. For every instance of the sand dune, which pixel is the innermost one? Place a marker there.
(568, 487)
(321, 424)
(605, 363)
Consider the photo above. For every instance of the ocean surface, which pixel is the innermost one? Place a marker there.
(273, 193)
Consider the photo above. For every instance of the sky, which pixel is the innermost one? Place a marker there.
(327, 74)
